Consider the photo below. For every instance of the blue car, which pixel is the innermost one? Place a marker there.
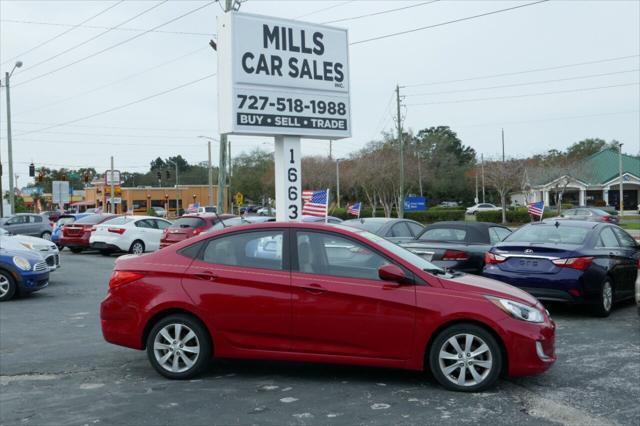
(568, 261)
(65, 219)
(21, 272)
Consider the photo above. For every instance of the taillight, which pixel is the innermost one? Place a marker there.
(455, 255)
(119, 278)
(197, 231)
(638, 263)
(580, 263)
(493, 259)
(117, 230)
(607, 218)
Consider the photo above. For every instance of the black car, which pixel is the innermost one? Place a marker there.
(569, 261)
(393, 229)
(457, 245)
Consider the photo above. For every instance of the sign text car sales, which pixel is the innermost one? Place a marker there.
(282, 77)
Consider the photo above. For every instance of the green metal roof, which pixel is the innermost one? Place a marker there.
(603, 166)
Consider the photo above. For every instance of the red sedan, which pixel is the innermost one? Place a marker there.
(323, 293)
(76, 235)
(188, 226)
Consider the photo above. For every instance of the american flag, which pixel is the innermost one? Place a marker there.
(306, 195)
(316, 204)
(354, 209)
(536, 209)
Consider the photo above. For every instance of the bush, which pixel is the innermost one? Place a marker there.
(151, 212)
(519, 215)
(429, 216)
(599, 203)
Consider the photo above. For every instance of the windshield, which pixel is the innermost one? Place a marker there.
(228, 223)
(119, 220)
(550, 234)
(65, 220)
(401, 252)
(188, 222)
(366, 225)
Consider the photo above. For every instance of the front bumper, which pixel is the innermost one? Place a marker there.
(530, 347)
(28, 282)
(53, 261)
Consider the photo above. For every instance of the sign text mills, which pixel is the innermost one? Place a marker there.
(287, 39)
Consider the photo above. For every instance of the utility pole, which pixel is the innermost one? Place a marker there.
(175, 163)
(337, 182)
(112, 206)
(229, 198)
(419, 172)
(482, 170)
(222, 168)
(9, 148)
(503, 145)
(476, 198)
(621, 194)
(330, 149)
(401, 145)
(210, 175)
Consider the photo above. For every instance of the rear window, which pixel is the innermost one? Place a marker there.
(188, 222)
(549, 234)
(65, 220)
(367, 225)
(120, 220)
(444, 234)
(90, 220)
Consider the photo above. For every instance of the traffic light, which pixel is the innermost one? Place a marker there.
(168, 174)
(159, 174)
(32, 170)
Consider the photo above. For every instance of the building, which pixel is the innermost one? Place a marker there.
(595, 182)
(139, 199)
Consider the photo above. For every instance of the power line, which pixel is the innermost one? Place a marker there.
(383, 12)
(146, 98)
(526, 83)
(201, 130)
(90, 39)
(95, 89)
(526, 95)
(324, 9)
(446, 23)
(117, 44)
(73, 27)
(556, 67)
(100, 27)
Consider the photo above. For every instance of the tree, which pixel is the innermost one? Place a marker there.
(585, 148)
(253, 175)
(158, 164)
(505, 177)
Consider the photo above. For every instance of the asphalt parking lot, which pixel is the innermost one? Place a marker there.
(55, 368)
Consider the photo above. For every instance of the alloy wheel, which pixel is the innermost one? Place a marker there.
(137, 248)
(46, 236)
(607, 296)
(176, 348)
(4, 285)
(465, 359)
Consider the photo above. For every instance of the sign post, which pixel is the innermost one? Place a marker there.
(283, 78)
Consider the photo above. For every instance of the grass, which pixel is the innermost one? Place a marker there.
(633, 225)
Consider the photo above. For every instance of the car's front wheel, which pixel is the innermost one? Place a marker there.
(604, 303)
(465, 357)
(179, 347)
(7, 286)
(46, 235)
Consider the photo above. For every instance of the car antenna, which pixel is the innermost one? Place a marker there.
(557, 224)
(224, 225)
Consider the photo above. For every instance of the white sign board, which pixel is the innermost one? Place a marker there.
(60, 191)
(282, 77)
(112, 177)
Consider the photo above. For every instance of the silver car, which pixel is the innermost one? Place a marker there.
(34, 225)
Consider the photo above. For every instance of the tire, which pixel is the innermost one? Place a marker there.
(46, 235)
(604, 302)
(169, 357)
(76, 249)
(7, 286)
(448, 369)
(137, 247)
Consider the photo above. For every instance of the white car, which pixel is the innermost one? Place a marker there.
(48, 250)
(206, 209)
(132, 234)
(482, 207)
(264, 211)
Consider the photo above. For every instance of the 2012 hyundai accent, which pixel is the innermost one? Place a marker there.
(321, 293)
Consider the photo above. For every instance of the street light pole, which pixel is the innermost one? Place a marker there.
(337, 183)
(12, 200)
(621, 193)
(210, 171)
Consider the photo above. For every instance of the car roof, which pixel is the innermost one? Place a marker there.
(468, 224)
(567, 222)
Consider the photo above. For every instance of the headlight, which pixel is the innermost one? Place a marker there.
(518, 310)
(22, 263)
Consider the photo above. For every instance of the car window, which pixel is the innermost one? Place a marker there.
(119, 220)
(91, 219)
(444, 234)
(188, 222)
(608, 238)
(571, 212)
(329, 254)
(161, 224)
(486, 205)
(16, 220)
(583, 212)
(248, 249)
(372, 226)
(415, 228)
(65, 220)
(546, 233)
(497, 234)
(144, 223)
(399, 230)
(36, 219)
(625, 239)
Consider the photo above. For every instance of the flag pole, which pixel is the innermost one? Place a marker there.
(542, 214)
(359, 209)
(326, 208)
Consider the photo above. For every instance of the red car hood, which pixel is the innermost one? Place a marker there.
(478, 284)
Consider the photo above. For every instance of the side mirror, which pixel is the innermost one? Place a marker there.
(391, 273)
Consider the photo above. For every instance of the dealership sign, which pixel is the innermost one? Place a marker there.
(282, 77)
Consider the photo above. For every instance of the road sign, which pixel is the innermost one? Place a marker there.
(112, 177)
(282, 77)
(415, 204)
(60, 191)
(239, 198)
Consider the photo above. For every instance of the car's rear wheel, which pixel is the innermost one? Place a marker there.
(7, 286)
(604, 303)
(46, 235)
(137, 247)
(76, 249)
(465, 357)
(178, 347)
